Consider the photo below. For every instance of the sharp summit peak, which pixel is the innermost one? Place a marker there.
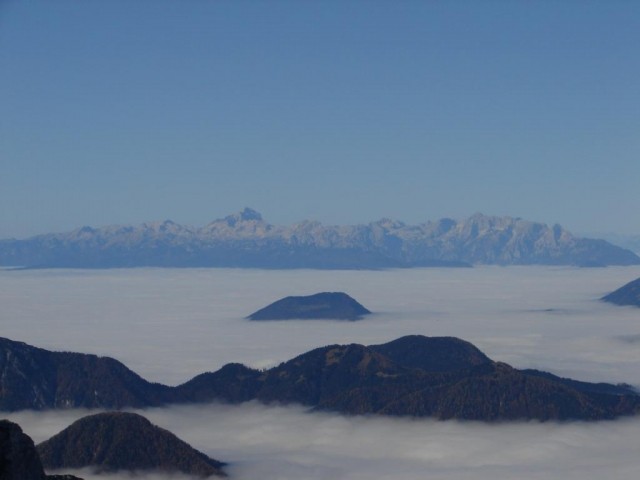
(246, 214)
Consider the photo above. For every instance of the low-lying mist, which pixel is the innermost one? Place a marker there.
(289, 443)
(169, 325)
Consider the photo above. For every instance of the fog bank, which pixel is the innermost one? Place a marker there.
(169, 325)
(278, 443)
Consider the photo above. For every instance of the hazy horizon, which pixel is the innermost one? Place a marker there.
(171, 324)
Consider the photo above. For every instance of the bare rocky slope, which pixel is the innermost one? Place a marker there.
(246, 240)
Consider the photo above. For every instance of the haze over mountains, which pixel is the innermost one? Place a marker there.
(19, 459)
(630, 242)
(246, 240)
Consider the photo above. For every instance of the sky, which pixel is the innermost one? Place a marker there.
(343, 112)
(169, 325)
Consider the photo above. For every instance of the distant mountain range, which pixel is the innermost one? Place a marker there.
(441, 377)
(246, 240)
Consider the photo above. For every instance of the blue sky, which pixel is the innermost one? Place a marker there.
(338, 111)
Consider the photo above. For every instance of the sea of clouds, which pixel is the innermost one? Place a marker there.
(171, 324)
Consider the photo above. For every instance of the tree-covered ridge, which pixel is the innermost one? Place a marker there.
(440, 377)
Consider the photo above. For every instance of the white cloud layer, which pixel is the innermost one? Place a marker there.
(169, 325)
(288, 443)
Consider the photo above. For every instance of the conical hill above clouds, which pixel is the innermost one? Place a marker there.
(245, 239)
(628, 294)
(19, 459)
(116, 441)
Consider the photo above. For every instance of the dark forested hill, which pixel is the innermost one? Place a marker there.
(420, 376)
(34, 378)
(116, 441)
(628, 294)
(19, 459)
(325, 305)
(441, 377)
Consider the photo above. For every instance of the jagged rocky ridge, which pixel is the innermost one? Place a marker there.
(441, 377)
(628, 294)
(246, 240)
(19, 459)
(116, 441)
(324, 305)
